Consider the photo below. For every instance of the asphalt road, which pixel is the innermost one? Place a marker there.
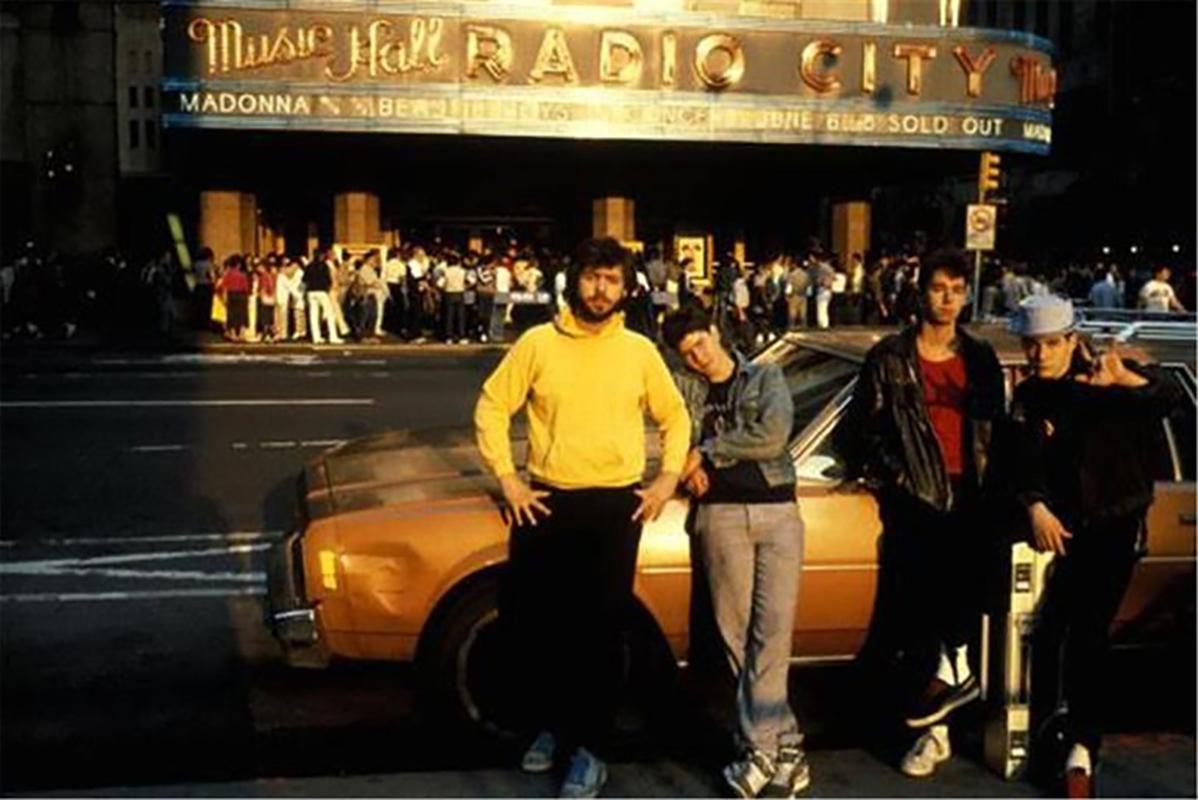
(138, 495)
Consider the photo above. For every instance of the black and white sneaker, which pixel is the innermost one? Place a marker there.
(940, 699)
(791, 774)
(750, 775)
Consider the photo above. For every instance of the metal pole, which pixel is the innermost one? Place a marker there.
(977, 282)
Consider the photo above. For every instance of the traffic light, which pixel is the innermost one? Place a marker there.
(988, 172)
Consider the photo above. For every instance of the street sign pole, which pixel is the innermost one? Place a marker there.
(977, 266)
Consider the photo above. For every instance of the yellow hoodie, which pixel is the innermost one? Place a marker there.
(587, 394)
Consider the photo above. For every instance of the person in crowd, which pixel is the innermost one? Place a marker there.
(204, 270)
(268, 292)
(419, 267)
(289, 301)
(318, 281)
(1107, 291)
(854, 290)
(798, 287)
(485, 297)
(750, 535)
(586, 383)
(920, 431)
(1157, 294)
(234, 287)
(394, 269)
(823, 278)
(875, 309)
(452, 283)
(1090, 442)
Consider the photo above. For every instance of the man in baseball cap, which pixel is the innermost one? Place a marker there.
(1088, 438)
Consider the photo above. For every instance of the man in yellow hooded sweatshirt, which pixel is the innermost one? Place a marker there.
(587, 383)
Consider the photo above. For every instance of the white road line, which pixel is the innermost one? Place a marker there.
(322, 442)
(276, 445)
(158, 448)
(47, 566)
(234, 536)
(282, 401)
(164, 594)
(240, 445)
(161, 574)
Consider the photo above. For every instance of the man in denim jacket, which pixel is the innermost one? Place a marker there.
(751, 540)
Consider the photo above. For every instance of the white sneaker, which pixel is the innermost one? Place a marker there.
(929, 750)
(338, 340)
(539, 755)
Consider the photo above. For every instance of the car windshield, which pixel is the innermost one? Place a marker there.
(814, 379)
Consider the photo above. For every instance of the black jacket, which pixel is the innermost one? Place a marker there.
(887, 438)
(1090, 453)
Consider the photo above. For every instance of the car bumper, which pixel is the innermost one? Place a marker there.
(292, 619)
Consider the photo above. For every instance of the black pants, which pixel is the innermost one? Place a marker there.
(1072, 640)
(566, 603)
(930, 585)
(454, 310)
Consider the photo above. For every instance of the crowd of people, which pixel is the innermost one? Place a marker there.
(437, 291)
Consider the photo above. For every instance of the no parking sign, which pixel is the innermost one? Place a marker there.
(980, 222)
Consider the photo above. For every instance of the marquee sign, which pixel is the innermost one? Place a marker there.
(478, 68)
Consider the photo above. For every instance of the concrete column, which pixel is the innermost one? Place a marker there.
(615, 217)
(850, 229)
(356, 218)
(228, 221)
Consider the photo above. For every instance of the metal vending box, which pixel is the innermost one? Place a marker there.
(1007, 739)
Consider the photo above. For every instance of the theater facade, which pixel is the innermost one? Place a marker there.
(291, 122)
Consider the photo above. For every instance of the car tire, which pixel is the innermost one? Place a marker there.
(465, 680)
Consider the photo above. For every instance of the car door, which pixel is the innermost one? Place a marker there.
(1160, 598)
(836, 591)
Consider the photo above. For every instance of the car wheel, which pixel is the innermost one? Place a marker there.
(467, 676)
(464, 674)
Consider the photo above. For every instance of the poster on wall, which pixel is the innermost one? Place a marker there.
(696, 249)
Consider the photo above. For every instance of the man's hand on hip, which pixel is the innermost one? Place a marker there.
(1049, 533)
(523, 500)
(655, 497)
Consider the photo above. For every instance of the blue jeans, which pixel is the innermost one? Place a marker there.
(752, 556)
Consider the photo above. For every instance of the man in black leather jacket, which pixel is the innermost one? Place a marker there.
(920, 433)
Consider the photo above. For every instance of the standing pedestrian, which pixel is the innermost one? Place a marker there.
(318, 280)
(920, 430)
(587, 383)
(1090, 439)
(751, 539)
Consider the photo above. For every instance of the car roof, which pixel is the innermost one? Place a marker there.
(1165, 343)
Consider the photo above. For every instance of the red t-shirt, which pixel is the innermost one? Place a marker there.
(944, 394)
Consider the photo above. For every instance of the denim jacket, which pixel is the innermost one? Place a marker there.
(763, 416)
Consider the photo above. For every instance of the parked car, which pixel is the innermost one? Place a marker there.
(401, 542)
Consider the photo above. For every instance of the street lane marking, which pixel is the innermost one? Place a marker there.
(277, 444)
(47, 567)
(323, 401)
(233, 536)
(162, 594)
(164, 574)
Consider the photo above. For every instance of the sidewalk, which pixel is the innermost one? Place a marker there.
(1136, 765)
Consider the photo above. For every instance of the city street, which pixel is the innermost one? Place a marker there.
(140, 493)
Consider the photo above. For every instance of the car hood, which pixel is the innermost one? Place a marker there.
(409, 466)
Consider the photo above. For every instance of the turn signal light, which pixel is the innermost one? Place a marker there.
(328, 569)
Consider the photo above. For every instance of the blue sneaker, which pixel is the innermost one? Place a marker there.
(586, 775)
(539, 755)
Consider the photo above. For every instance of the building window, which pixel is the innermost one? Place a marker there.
(992, 12)
(1065, 26)
(149, 61)
(152, 134)
(149, 95)
(1020, 15)
(132, 97)
(132, 62)
(134, 134)
(1041, 10)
